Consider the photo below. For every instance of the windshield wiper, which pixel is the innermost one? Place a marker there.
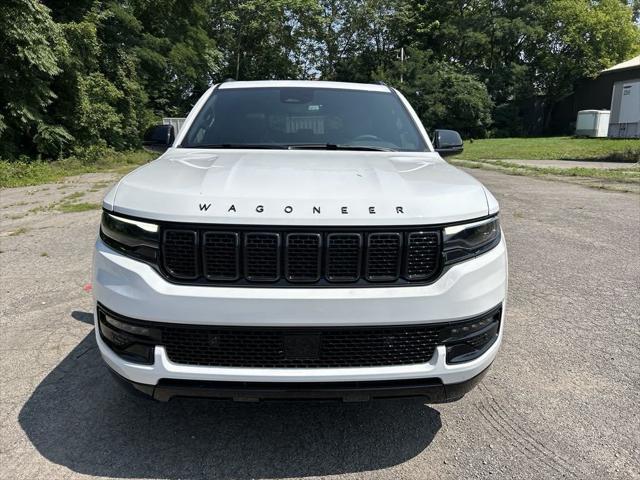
(333, 146)
(267, 146)
(295, 146)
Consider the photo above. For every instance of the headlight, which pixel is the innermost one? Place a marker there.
(465, 241)
(132, 237)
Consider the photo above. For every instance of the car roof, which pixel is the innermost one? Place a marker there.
(232, 84)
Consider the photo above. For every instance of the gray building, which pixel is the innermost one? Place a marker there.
(596, 94)
(624, 121)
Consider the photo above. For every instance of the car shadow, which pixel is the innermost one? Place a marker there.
(84, 317)
(80, 418)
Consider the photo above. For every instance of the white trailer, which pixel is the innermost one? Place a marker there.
(592, 123)
(177, 123)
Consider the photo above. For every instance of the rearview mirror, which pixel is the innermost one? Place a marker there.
(447, 142)
(158, 138)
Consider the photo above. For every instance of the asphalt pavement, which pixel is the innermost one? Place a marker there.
(562, 400)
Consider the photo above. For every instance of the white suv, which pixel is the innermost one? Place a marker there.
(300, 239)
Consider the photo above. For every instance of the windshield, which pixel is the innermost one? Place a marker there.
(304, 118)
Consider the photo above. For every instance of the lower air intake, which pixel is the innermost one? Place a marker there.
(300, 348)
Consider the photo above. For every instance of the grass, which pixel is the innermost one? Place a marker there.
(39, 209)
(552, 148)
(498, 154)
(630, 174)
(99, 186)
(18, 204)
(18, 231)
(78, 207)
(22, 174)
(67, 205)
(72, 196)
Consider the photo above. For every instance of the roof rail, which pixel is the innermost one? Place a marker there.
(226, 80)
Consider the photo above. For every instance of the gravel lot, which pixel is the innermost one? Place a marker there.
(561, 401)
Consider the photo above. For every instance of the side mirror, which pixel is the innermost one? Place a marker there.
(158, 138)
(447, 142)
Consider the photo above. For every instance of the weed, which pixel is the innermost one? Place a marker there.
(19, 231)
(78, 207)
(37, 172)
(72, 196)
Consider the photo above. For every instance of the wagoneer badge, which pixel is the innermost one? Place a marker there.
(316, 210)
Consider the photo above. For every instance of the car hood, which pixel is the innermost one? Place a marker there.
(296, 187)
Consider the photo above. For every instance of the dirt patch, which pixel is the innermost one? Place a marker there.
(30, 207)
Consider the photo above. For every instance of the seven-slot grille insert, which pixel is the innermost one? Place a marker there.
(300, 257)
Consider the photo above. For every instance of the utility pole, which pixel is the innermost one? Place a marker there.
(402, 59)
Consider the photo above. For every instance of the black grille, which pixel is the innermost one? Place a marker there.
(262, 257)
(303, 348)
(303, 257)
(179, 248)
(383, 256)
(221, 255)
(344, 253)
(300, 257)
(422, 255)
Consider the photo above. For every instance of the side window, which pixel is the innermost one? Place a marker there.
(204, 123)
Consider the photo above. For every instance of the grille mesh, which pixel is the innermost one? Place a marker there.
(422, 255)
(221, 255)
(279, 348)
(303, 257)
(262, 256)
(179, 249)
(383, 256)
(208, 256)
(344, 252)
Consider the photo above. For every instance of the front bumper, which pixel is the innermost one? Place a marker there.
(135, 290)
(432, 390)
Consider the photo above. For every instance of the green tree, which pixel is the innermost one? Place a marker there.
(99, 96)
(443, 95)
(354, 38)
(177, 53)
(263, 39)
(582, 38)
(79, 73)
(31, 49)
(522, 51)
(119, 32)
